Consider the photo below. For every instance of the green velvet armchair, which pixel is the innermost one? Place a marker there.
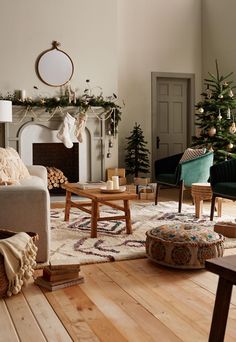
(223, 182)
(171, 172)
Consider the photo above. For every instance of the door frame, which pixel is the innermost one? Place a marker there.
(190, 105)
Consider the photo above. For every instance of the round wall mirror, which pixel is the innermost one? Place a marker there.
(54, 67)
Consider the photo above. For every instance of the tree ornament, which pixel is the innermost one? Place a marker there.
(231, 94)
(198, 132)
(42, 101)
(225, 84)
(209, 93)
(228, 113)
(201, 110)
(212, 131)
(219, 117)
(230, 146)
(57, 98)
(232, 128)
(220, 96)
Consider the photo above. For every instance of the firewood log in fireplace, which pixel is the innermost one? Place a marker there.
(55, 177)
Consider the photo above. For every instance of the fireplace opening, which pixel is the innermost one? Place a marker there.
(58, 156)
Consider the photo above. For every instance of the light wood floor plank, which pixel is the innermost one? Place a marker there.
(121, 308)
(24, 320)
(7, 329)
(156, 303)
(46, 318)
(101, 325)
(70, 315)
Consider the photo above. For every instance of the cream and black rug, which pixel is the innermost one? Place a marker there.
(72, 239)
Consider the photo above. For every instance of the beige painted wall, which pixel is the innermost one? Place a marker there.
(218, 37)
(114, 43)
(154, 35)
(85, 29)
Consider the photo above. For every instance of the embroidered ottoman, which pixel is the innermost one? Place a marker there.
(183, 245)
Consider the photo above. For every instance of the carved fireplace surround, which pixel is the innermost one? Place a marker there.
(25, 130)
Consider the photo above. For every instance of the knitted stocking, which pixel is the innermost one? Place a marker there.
(80, 126)
(65, 129)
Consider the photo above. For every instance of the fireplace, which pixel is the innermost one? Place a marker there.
(31, 130)
(58, 156)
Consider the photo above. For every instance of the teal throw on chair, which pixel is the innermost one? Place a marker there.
(173, 173)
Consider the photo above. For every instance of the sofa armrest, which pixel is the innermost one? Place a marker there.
(39, 171)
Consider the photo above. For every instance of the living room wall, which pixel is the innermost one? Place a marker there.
(114, 43)
(218, 36)
(87, 31)
(158, 36)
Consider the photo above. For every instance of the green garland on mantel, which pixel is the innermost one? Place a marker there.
(83, 103)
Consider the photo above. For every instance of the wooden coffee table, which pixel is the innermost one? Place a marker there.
(97, 199)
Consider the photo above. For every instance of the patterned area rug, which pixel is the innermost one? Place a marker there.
(72, 239)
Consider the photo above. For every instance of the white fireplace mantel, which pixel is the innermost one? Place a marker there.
(43, 127)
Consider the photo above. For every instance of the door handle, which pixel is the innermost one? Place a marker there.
(157, 142)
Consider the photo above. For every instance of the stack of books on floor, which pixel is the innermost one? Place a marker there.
(58, 276)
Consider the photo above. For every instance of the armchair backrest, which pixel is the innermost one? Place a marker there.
(223, 172)
(196, 170)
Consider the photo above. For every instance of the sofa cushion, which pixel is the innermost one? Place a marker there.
(191, 153)
(12, 168)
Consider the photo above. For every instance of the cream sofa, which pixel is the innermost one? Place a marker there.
(26, 207)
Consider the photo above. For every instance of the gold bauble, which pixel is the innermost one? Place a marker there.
(232, 128)
(212, 131)
(230, 146)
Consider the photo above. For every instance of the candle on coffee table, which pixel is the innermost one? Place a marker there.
(109, 185)
(115, 180)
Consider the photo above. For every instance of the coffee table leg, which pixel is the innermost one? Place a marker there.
(67, 206)
(127, 217)
(94, 217)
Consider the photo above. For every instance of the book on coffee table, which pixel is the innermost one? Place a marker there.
(90, 185)
(56, 285)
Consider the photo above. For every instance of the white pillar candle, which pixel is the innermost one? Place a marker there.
(109, 185)
(22, 94)
(115, 180)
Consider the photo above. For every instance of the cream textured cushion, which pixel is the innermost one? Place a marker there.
(12, 168)
(191, 153)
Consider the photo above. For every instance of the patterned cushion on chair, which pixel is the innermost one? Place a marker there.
(183, 245)
(192, 153)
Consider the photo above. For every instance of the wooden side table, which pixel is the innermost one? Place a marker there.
(201, 192)
(225, 267)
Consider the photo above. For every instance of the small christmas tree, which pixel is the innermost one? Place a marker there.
(216, 127)
(137, 157)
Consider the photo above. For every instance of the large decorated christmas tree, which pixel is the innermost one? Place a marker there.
(215, 123)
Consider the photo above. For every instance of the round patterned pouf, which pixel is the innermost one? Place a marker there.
(183, 245)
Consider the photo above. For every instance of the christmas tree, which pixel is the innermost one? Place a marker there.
(215, 123)
(137, 157)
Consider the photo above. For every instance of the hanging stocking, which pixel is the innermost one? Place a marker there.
(80, 126)
(65, 129)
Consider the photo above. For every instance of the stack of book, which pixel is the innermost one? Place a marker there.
(58, 275)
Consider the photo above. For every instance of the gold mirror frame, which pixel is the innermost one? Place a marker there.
(54, 67)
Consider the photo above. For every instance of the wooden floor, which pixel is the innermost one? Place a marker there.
(134, 300)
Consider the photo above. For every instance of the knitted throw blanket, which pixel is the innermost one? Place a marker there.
(19, 252)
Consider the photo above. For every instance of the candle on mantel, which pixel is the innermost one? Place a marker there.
(22, 95)
(115, 180)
